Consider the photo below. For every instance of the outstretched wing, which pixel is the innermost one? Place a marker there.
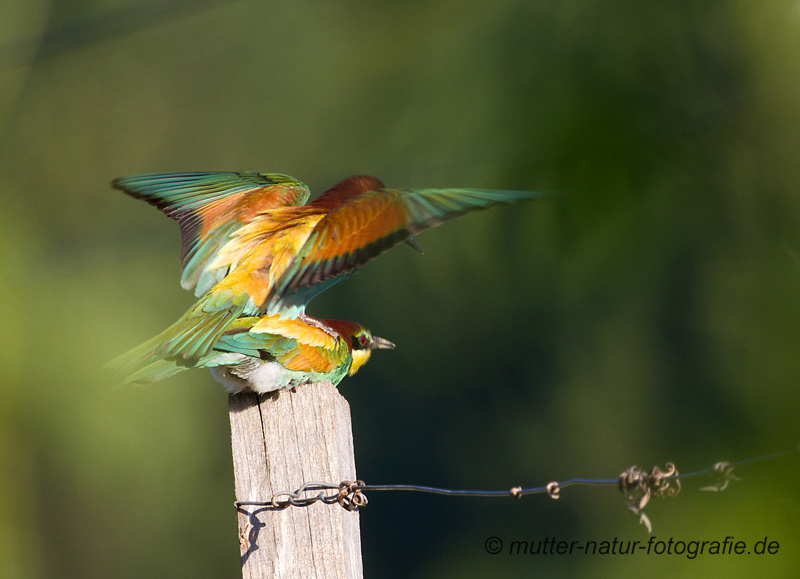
(366, 225)
(210, 208)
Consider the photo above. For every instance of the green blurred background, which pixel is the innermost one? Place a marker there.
(652, 314)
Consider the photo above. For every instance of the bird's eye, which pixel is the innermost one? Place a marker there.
(362, 340)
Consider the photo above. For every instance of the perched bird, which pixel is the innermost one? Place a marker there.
(252, 246)
(267, 353)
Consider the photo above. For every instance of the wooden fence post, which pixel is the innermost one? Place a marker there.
(281, 441)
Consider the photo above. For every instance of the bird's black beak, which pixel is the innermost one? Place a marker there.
(381, 344)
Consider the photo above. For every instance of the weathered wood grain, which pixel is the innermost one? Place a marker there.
(279, 442)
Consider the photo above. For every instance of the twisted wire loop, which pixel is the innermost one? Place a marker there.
(723, 472)
(552, 490)
(638, 487)
(348, 495)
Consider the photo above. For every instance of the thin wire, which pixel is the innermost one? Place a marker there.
(566, 483)
(480, 493)
(637, 486)
(741, 462)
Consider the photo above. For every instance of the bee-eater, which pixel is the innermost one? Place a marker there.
(267, 353)
(252, 246)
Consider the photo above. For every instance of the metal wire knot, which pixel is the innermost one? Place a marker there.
(723, 472)
(350, 496)
(552, 490)
(638, 487)
(296, 498)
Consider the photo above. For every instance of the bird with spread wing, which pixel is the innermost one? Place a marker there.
(252, 246)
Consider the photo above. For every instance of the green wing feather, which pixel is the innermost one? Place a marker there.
(154, 349)
(148, 362)
(209, 208)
